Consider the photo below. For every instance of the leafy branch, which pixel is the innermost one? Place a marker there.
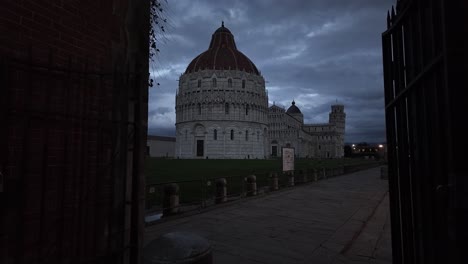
(158, 21)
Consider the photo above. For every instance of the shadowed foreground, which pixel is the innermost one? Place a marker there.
(339, 220)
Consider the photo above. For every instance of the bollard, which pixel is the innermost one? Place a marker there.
(290, 178)
(315, 174)
(324, 174)
(221, 191)
(251, 185)
(178, 247)
(171, 199)
(273, 181)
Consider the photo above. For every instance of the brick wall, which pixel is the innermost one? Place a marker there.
(81, 29)
(64, 149)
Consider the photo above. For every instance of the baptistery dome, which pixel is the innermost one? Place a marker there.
(222, 54)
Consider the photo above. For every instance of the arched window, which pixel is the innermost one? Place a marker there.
(243, 83)
(232, 134)
(247, 110)
(229, 83)
(215, 134)
(199, 84)
(214, 82)
(246, 135)
(226, 108)
(199, 108)
(258, 136)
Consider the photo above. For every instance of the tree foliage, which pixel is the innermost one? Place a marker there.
(158, 21)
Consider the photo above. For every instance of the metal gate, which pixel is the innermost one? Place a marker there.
(418, 121)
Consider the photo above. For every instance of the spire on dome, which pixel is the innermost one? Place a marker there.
(222, 23)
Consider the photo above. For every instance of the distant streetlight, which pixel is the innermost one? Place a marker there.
(353, 145)
(380, 146)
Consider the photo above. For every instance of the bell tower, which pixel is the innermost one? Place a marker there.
(337, 117)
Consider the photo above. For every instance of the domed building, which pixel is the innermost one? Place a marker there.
(286, 128)
(221, 104)
(222, 112)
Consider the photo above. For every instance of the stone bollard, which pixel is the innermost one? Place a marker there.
(171, 199)
(290, 178)
(324, 173)
(178, 247)
(251, 185)
(315, 174)
(221, 190)
(273, 181)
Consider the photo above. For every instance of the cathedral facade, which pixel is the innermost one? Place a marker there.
(286, 128)
(222, 112)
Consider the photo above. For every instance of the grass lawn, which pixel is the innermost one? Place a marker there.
(196, 178)
(175, 170)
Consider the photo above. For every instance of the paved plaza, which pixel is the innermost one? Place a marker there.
(344, 219)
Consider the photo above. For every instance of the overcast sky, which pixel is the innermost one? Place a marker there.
(314, 52)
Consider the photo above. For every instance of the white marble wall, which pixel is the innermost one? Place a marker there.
(237, 102)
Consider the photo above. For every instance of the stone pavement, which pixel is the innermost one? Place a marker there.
(338, 220)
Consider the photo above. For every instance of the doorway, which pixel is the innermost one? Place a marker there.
(200, 144)
(274, 151)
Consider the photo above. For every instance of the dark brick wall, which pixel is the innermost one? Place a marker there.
(65, 150)
(82, 29)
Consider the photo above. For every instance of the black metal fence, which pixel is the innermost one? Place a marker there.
(418, 119)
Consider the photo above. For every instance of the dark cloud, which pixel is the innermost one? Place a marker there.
(315, 52)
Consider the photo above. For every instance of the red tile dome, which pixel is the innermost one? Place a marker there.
(222, 55)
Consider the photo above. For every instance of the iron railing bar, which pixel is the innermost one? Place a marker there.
(398, 18)
(416, 79)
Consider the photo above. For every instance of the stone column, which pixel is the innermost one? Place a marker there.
(221, 191)
(251, 185)
(273, 181)
(171, 199)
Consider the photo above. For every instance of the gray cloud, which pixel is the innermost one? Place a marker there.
(315, 52)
